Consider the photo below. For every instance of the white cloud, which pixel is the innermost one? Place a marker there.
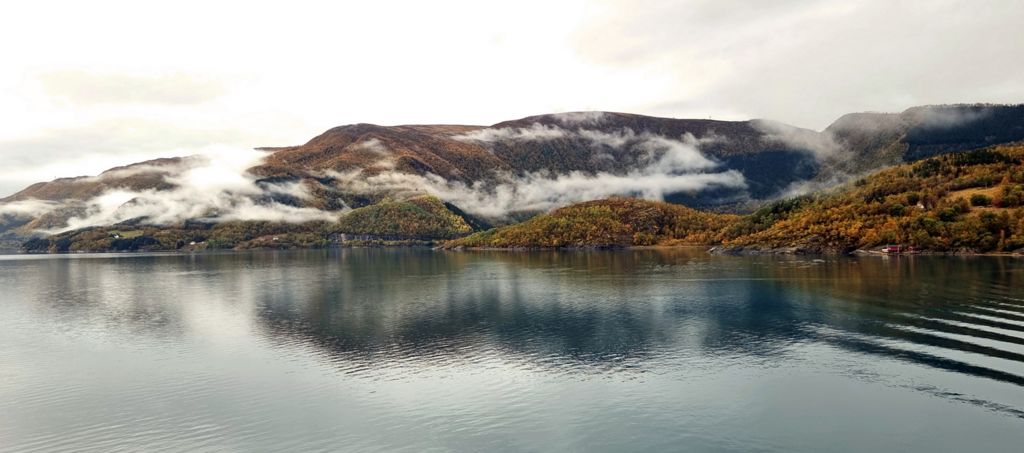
(667, 156)
(534, 132)
(941, 118)
(615, 139)
(822, 144)
(375, 146)
(541, 192)
(215, 187)
(667, 166)
(590, 118)
(51, 153)
(663, 154)
(27, 208)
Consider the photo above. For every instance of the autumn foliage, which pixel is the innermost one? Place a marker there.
(424, 217)
(614, 222)
(964, 202)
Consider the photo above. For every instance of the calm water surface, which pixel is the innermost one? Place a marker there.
(415, 350)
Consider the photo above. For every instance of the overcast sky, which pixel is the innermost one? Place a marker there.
(89, 85)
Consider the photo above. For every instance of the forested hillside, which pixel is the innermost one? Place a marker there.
(418, 221)
(426, 183)
(615, 222)
(969, 202)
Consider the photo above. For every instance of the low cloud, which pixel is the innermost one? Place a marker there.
(535, 132)
(945, 117)
(821, 144)
(385, 156)
(668, 156)
(93, 148)
(213, 186)
(616, 139)
(590, 118)
(537, 192)
(27, 208)
(805, 187)
(665, 153)
(664, 166)
(374, 145)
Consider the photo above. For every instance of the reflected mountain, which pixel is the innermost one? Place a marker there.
(572, 311)
(660, 312)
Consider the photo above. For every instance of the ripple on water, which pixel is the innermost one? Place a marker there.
(384, 350)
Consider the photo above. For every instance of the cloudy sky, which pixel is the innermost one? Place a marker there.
(90, 85)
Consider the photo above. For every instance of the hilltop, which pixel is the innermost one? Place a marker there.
(614, 222)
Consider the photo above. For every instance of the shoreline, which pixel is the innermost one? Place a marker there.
(740, 251)
(711, 250)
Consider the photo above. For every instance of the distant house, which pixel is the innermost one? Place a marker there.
(897, 249)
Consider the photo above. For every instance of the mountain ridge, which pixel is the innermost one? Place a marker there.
(514, 169)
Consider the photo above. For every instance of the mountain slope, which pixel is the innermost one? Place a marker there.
(971, 202)
(139, 176)
(878, 139)
(590, 143)
(409, 222)
(509, 171)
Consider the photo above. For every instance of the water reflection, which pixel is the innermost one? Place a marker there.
(573, 309)
(948, 328)
(555, 308)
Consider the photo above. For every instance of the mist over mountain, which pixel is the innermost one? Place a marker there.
(508, 171)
